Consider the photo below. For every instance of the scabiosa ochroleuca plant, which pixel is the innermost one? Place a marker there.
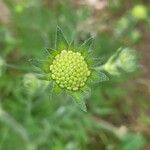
(70, 69)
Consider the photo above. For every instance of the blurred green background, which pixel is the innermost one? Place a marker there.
(118, 116)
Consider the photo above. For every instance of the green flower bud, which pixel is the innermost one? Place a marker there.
(123, 59)
(139, 12)
(69, 70)
(31, 83)
(127, 60)
(19, 8)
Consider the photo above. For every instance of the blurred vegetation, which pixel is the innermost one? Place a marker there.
(118, 110)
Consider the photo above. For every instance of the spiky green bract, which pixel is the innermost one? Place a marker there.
(70, 69)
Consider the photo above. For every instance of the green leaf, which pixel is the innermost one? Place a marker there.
(133, 141)
(61, 42)
(85, 47)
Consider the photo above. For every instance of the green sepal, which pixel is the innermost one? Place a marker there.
(98, 76)
(79, 97)
(85, 47)
(61, 42)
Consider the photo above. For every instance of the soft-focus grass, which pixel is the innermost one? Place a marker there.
(34, 121)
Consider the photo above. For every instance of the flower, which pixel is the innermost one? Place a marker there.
(70, 69)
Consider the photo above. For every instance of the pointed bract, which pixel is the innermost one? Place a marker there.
(98, 76)
(47, 52)
(79, 101)
(35, 63)
(61, 42)
(72, 46)
(80, 97)
(85, 47)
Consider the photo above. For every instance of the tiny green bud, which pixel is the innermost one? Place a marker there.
(139, 12)
(19, 8)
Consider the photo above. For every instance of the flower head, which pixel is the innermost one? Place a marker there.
(69, 68)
